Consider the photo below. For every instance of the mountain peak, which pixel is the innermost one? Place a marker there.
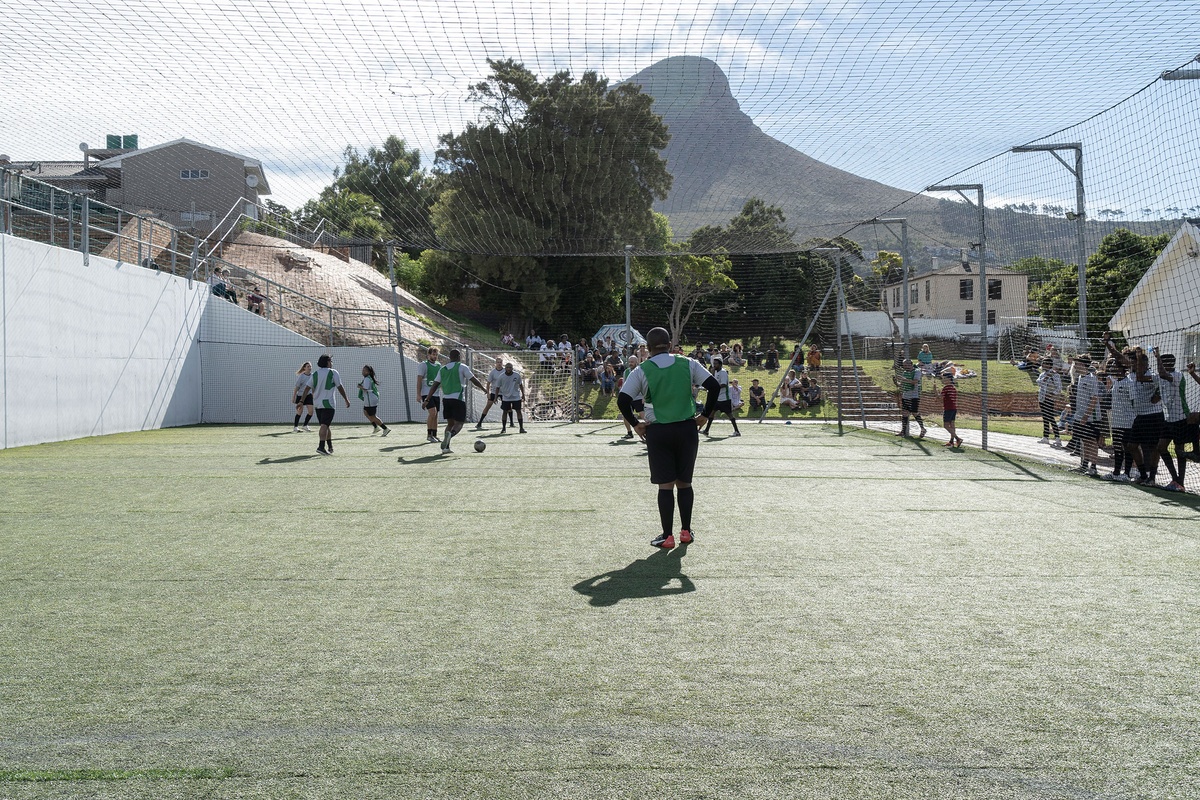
(687, 83)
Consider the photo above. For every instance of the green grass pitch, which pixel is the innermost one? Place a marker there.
(218, 612)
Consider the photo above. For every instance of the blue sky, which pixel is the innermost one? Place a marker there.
(906, 93)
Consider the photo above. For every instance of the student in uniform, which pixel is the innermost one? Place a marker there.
(1121, 419)
(671, 429)
(724, 404)
(302, 396)
(1171, 387)
(451, 383)
(368, 392)
(326, 385)
(493, 392)
(639, 403)
(427, 376)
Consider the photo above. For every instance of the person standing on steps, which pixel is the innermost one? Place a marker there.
(671, 429)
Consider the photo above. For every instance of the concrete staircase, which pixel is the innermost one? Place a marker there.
(877, 405)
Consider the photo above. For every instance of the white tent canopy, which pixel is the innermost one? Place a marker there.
(617, 332)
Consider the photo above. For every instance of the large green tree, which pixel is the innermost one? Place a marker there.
(767, 268)
(544, 192)
(393, 177)
(1117, 265)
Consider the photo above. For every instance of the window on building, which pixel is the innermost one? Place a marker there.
(994, 289)
(195, 216)
(927, 291)
(1191, 349)
(193, 174)
(991, 316)
(968, 317)
(966, 289)
(896, 298)
(914, 295)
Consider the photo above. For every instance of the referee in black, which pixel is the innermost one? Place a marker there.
(671, 429)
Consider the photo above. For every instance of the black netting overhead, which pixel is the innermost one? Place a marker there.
(543, 128)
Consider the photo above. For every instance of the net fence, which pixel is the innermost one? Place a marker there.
(936, 181)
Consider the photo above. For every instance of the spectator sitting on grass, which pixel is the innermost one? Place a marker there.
(754, 357)
(813, 394)
(1030, 362)
(735, 395)
(608, 381)
(771, 361)
(508, 340)
(925, 360)
(813, 359)
(736, 358)
(790, 392)
(758, 396)
(588, 372)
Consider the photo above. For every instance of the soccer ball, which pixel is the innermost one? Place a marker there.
(480, 445)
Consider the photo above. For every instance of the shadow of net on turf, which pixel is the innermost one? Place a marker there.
(659, 575)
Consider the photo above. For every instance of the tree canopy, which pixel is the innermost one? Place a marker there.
(555, 167)
(1112, 272)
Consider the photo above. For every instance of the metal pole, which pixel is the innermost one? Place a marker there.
(71, 221)
(52, 215)
(904, 274)
(628, 297)
(331, 326)
(862, 410)
(837, 324)
(174, 251)
(84, 233)
(983, 364)
(1082, 247)
(391, 256)
(120, 248)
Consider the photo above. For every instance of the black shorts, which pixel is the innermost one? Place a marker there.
(911, 404)
(306, 401)
(949, 415)
(433, 403)
(725, 407)
(510, 405)
(454, 409)
(672, 449)
(1175, 432)
(369, 410)
(1146, 430)
(494, 397)
(1088, 431)
(325, 416)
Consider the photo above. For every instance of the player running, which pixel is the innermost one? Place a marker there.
(724, 404)
(493, 391)
(326, 385)
(426, 376)
(451, 382)
(512, 397)
(368, 392)
(671, 429)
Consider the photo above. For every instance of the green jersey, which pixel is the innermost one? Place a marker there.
(669, 390)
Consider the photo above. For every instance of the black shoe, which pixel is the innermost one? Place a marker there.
(321, 450)
(666, 541)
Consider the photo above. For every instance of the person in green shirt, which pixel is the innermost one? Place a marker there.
(426, 376)
(451, 382)
(671, 428)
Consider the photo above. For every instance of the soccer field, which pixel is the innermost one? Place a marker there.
(218, 612)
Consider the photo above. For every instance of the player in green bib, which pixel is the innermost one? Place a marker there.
(427, 375)
(671, 428)
(451, 382)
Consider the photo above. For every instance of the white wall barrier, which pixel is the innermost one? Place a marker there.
(113, 347)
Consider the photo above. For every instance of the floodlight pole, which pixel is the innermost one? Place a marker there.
(837, 322)
(983, 298)
(1080, 245)
(628, 305)
(391, 257)
(904, 269)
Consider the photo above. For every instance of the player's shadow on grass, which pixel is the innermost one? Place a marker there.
(394, 448)
(288, 460)
(659, 575)
(429, 459)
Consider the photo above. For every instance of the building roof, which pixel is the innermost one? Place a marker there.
(956, 271)
(58, 170)
(253, 165)
(1159, 293)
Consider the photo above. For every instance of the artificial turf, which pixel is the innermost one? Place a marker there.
(219, 612)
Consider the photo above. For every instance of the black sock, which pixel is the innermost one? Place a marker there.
(686, 497)
(296, 424)
(307, 417)
(733, 422)
(666, 510)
